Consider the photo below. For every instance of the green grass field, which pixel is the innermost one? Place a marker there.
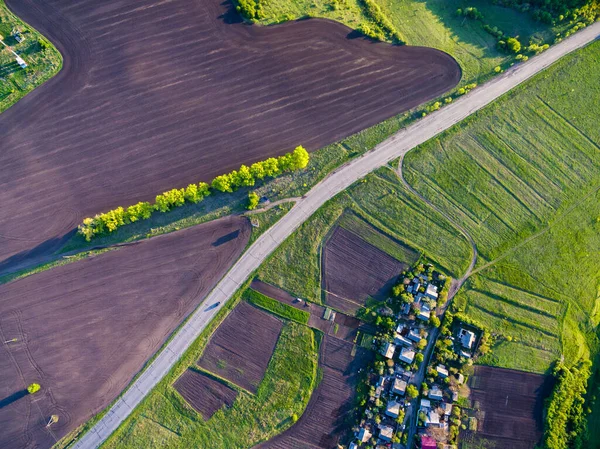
(429, 23)
(43, 63)
(522, 177)
(276, 307)
(165, 420)
(381, 201)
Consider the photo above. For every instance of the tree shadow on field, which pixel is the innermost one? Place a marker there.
(230, 16)
(13, 398)
(226, 238)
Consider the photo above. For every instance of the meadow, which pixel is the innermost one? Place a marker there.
(522, 177)
(43, 60)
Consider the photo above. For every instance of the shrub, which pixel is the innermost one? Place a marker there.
(253, 200)
(513, 44)
(33, 388)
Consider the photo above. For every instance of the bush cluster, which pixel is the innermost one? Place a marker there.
(373, 12)
(250, 9)
(110, 221)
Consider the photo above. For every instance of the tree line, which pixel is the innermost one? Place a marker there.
(565, 426)
(382, 25)
(110, 221)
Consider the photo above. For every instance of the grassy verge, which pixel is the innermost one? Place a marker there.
(43, 60)
(276, 307)
(164, 419)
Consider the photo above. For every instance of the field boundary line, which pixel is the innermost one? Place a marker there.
(342, 178)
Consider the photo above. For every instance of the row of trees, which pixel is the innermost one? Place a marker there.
(566, 418)
(110, 221)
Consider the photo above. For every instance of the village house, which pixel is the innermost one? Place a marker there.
(447, 407)
(467, 338)
(433, 419)
(386, 433)
(415, 335)
(399, 387)
(454, 396)
(460, 378)
(431, 292)
(435, 393)
(425, 404)
(407, 355)
(364, 435)
(388, 350)
(402, 341)
(424, 312)
(393, 409)
(442, 371)
(353, 446)
(428, 442)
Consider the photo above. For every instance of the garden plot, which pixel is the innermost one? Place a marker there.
(204, 393)
(241, 348)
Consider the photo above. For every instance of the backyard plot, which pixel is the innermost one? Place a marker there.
(241, 348)
(129, 127)
(83, 330)
(354, 270)
(509, 406)
(327, 416)
(204, 393)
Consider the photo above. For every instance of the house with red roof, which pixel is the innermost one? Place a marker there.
(428, 442)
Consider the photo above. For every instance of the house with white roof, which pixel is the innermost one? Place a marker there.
(435, 393)
(467, 338)
(386, 433)
(364, 435)
(442, 371)
(399, 386)
(407, 355)
(392, 409)
(431, 292)
(388, 350)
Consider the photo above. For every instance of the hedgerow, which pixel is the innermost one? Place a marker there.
(110, 221)
(566, 418)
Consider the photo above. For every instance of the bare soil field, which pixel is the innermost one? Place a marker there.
(241, 347)
(353, 270)
(327, 415)
(157, 94)
(205, 394)
(83, 330)
(510, 407)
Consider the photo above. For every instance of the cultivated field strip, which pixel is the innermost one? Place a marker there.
(158, 94)
(241, 348)
(323, 421)
(510, 404)
(399, 211)
(354, 270)
(83, 330)
(518, 164)
(205, 394)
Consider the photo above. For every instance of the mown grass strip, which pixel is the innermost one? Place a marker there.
(276, 307)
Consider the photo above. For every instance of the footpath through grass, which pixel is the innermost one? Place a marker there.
(165, 420)
(42, 59)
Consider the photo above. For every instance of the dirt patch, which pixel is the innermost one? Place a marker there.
(329, 411)
(509, 407)
(242, 346)
(84, 330)
(205, 394)
(353, 270)
(157, 94)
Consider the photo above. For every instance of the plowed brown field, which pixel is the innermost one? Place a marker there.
(84, 330)
(242, 346)
(327, 415)
(156, 94)
(353, 270)
(511, 406)
(204, 393)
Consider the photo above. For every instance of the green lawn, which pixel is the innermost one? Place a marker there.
(276, 307)
(429, 23)
(43, 63)
(165, 420)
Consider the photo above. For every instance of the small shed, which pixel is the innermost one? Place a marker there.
(21, 62)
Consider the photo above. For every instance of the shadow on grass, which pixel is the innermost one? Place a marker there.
(13, 398)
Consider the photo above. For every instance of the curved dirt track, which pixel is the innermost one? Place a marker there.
(85, 329)
(156, 94)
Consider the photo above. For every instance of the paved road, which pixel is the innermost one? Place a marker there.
(339, 180)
